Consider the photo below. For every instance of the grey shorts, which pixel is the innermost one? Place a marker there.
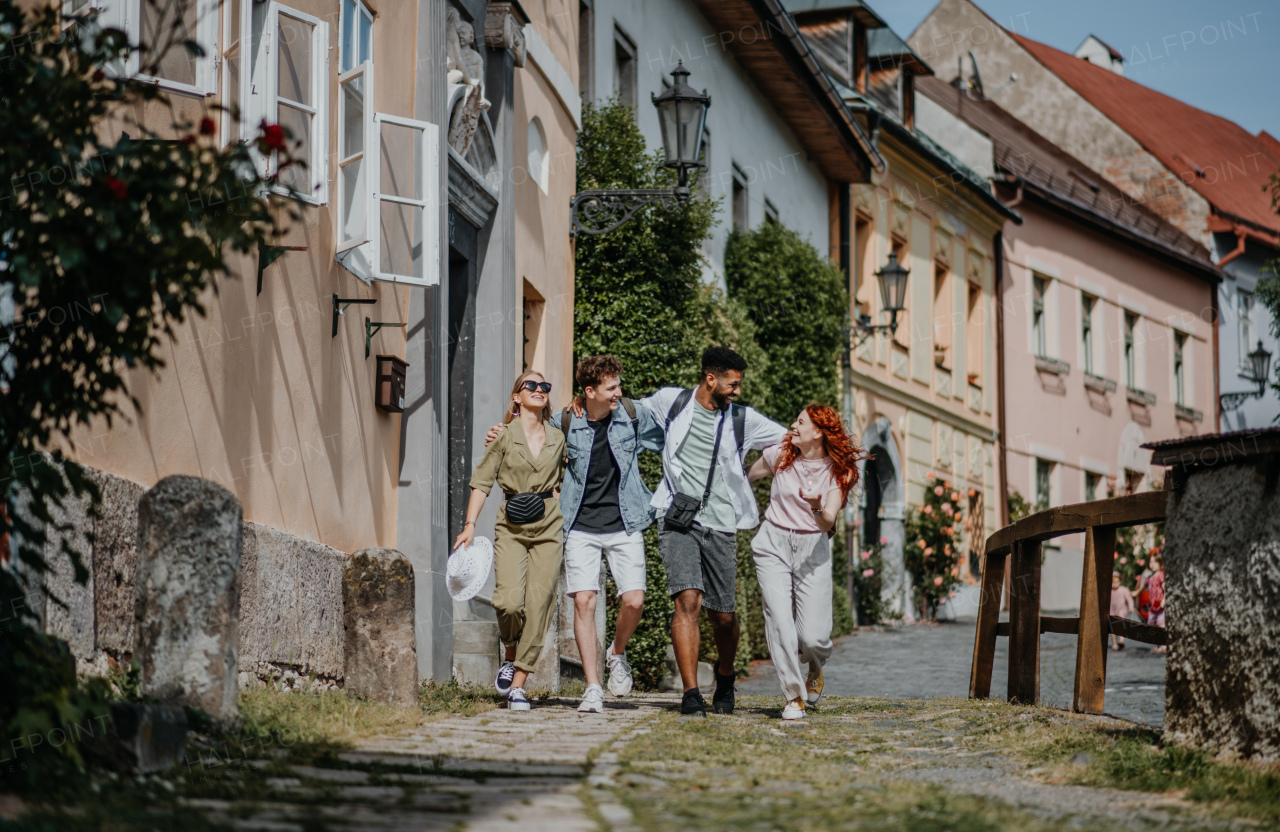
(702, 559)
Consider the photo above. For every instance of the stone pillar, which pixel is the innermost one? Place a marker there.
(188, 604)
(378, 622)
(1222, 590)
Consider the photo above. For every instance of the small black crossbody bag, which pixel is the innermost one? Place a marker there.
(684, 508)
(527, 507)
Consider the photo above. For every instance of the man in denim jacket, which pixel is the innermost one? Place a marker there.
(606, 508)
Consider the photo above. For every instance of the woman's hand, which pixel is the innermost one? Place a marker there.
(465, 537)
(815, 503)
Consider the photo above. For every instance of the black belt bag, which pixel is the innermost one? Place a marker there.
(527, 507)
(684, 509)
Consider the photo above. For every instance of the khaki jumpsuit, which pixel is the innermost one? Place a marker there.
(527, 558)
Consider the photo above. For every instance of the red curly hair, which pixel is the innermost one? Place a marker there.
(844, 454)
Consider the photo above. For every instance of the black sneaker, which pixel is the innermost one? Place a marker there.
(693, 704)
(722, 699)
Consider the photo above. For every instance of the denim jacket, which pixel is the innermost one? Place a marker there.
(634, 496)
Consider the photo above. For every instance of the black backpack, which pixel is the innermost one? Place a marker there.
(567, 416)
(738, 412)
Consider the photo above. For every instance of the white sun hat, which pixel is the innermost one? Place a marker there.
(469, 568)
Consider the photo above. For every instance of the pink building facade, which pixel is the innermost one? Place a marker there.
(1107, 325)
(1105, 348)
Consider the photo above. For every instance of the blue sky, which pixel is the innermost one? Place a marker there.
(1175, 46)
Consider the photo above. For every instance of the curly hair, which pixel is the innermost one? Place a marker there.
(594, 369)
(843, 452)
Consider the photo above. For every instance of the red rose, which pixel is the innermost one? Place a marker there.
(118, 189)
(98, 75)
(273, 136)
(207, 127)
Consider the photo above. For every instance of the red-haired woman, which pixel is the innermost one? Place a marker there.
(813, 468)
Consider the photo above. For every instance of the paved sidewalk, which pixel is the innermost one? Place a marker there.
(497, 770)
(929, 662)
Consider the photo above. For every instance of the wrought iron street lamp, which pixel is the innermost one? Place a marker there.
(682, 119)
(1259, 372)
(893, 294)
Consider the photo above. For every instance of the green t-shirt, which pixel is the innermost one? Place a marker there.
(695, 460)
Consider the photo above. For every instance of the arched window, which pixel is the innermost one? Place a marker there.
(539, 160)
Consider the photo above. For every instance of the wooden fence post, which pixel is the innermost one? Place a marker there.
(1095, 610)
(984, 644)
(1024, 623)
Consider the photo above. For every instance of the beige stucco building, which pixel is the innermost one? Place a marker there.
(440, 142)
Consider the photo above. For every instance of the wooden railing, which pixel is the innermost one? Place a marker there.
(1019, 543)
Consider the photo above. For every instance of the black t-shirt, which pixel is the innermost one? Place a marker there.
(599, 511)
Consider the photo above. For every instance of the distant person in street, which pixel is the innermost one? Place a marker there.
(1155, 588)
(703, 500)
(527, 463)
(1122, 606)
(813, 469)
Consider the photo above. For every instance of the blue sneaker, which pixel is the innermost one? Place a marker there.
(517, 701)
(506, 673)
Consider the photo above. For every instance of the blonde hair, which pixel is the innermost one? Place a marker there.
(512, 409)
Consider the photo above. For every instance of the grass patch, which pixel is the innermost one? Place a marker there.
(837, 771)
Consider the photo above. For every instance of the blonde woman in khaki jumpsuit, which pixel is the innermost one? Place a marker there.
(527, 457)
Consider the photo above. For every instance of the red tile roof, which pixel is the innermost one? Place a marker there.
(1218, 158)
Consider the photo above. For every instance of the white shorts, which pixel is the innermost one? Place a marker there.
(582, 552)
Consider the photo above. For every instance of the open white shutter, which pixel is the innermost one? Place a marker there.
(404, 217)
(357, 140)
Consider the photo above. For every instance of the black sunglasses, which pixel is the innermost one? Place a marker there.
(531, 386)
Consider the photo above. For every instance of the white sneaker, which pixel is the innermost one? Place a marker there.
(506, 673)
(794, 709)
(620, 679)
(517, 701)
(592, 700)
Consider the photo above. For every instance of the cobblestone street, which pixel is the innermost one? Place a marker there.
(930, 662)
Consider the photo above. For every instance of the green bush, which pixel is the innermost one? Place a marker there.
(868, 578)
(798, 301)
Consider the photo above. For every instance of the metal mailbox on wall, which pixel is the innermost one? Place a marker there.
(389, 393)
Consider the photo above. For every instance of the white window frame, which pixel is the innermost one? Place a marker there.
(1246, 302)
(262, 101)
(126, 15)
(364, 259)
(362, 11)
(232, 130)
(364, 71)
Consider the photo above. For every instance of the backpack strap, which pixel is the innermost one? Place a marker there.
(679, 404)
(630, 407)
(566, 416)
(739, 412)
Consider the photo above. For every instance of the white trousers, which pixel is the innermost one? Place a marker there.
(794, 570)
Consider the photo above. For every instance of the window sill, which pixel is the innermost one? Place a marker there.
(1141, 397)
(1188, 414)
(1052, 365)
(173, 86)
(1099, 384)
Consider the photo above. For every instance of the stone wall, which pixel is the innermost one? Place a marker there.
(1223, 592)
(290, 592)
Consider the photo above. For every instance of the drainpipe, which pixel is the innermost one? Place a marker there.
(1002, 457)
(1002, 461)
(1217, 383)
(1241, 236)
(1017, 199)
(846, 265)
